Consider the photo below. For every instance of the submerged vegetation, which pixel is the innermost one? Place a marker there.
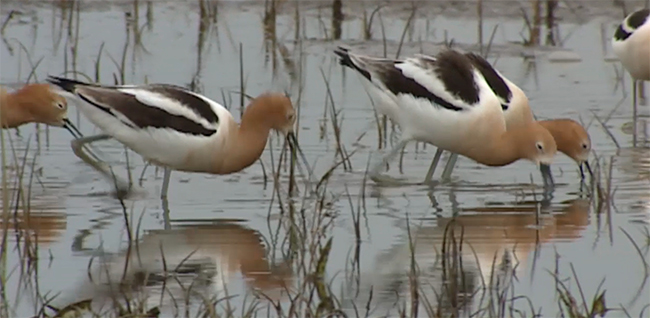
(310, 256)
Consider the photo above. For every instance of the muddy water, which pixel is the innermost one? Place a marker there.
(77, 219)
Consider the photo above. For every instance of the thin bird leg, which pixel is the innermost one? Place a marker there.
(451, 163)
(434, 165)
(374, 171)
(165, 187)
(634, 112)
(103, 168)
(641, 88)
(166, 219)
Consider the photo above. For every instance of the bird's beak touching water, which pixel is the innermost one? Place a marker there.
(295, 150)
(547, 176)
(582, 172)
(67, 124)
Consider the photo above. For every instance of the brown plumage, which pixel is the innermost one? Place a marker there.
(571, 138)
(178, 129)
(34, 103)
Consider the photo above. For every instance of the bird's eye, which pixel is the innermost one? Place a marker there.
(291, 117)
(539, 146)
(585, 146)
(60, 105)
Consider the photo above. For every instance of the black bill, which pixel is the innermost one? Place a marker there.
(582, 172)
(547, 176)
(67, 124)
(295, 150)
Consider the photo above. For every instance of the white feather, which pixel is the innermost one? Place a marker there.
(421, 119)
(428, 79)
(634, 52)
(164, 145)
(172, 106)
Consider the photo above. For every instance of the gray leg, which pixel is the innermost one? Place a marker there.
(104, 169)
(374, 171)
(446, 174)
(165, 187)
(634, 112)
(77, 148)
(434, 164)
(166, 220)
(642, 97)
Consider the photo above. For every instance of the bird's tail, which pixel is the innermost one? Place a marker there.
(65, 84)
(352, 61)
(344, 56)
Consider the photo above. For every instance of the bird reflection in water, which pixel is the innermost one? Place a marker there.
(185, 265)
(44, 222)
(486, 248)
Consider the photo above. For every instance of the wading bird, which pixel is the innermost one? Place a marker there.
(178, 129)
(571, 138)
(446, 101)
(631, 44)
(35, 103)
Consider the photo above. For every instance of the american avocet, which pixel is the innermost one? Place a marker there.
(631, 43)
(445, 101)
(178, 129)
(571, 138)
(34, 103)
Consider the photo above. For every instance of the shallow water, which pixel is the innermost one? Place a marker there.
(222, 218)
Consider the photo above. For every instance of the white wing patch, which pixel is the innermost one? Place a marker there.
(412, 68)
(172, 106)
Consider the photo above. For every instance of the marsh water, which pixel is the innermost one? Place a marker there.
(240, 230)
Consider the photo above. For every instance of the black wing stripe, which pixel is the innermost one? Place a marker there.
(345, 60)
(633, 22)
(398, 84)
(141, 115)
(497, 84)
(621, 34)
(199, 106)
(456, 72)
(452, 68)
(637, 19)
(105, 109)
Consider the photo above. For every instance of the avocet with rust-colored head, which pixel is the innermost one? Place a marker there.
(446, 101)
(178, 129)
(35, 103)
(571, 138)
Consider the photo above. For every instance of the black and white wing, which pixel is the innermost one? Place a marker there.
(159, 106)
(631, 23)
(493, 78)
(447, 80)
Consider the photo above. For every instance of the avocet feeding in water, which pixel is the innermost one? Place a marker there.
(35, 103)
(571, 138)
(178, 129)
(446, 101)
(631, 44)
